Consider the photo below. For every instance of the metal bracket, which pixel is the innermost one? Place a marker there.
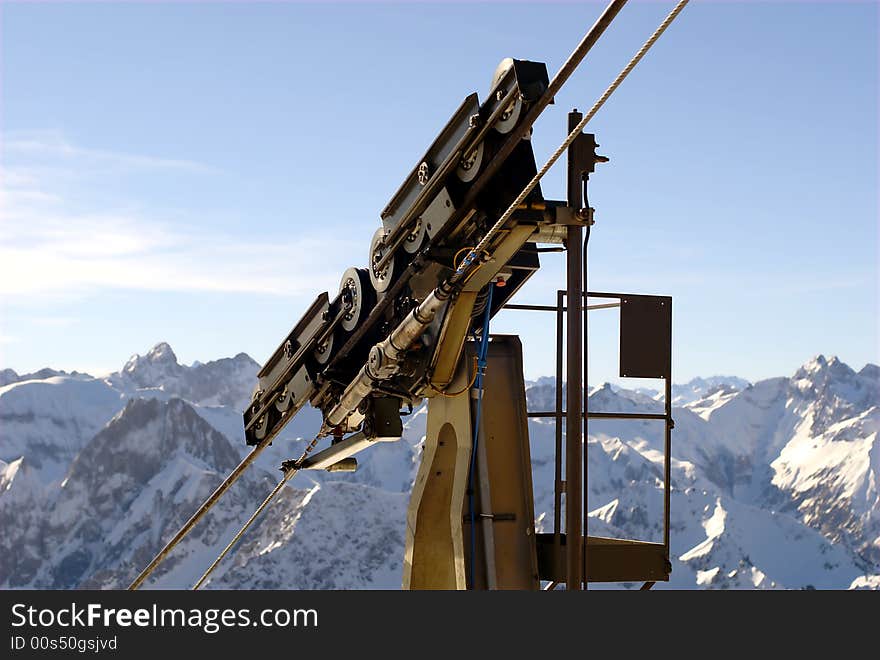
(495, 517)
(341, 450)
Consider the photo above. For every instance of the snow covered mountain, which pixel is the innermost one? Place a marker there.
(226, 382)
(776, 484)
(701, 388)
(8, 376)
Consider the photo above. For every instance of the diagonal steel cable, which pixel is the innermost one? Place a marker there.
(465, 266)
(288, 474)
(481, 246)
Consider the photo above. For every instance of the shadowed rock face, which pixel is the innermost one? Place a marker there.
(137, 442)
(154, 457)
(774, 483)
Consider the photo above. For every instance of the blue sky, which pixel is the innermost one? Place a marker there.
(197, 173)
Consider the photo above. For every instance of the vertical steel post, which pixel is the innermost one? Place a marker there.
(667, 444)
(574, 386)
(557, 477)
(667, 450)
(586, 404)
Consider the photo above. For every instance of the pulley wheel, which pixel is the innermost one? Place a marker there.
(283, 402)
(363, 298)
(380, 279)
(416, 237)
(261, 427)
(323, 352)
(469, 165)
(511, 113)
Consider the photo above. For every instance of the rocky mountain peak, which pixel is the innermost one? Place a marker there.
(228, 381)
(833, 390)
(154, 368)
(821, 369)
(871, 372)
(7, 376)
(96, 473)
(163, 353)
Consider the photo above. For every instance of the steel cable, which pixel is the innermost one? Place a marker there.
(481, 246)
(464, 266)
(288, 474)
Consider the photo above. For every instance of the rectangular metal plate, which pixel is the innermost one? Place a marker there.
(443, 148)
(608, 560)
(438, 212)
(645, 336)
(307, 326)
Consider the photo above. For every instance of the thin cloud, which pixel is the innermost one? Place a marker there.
(67, 253)
(54, 321)
(45, 145)
(49, 251)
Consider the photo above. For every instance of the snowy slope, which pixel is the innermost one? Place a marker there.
(332, 536)
(701, 388)
(50, 420)
(775, 484)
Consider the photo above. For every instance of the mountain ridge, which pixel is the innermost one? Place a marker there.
(104, 469)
